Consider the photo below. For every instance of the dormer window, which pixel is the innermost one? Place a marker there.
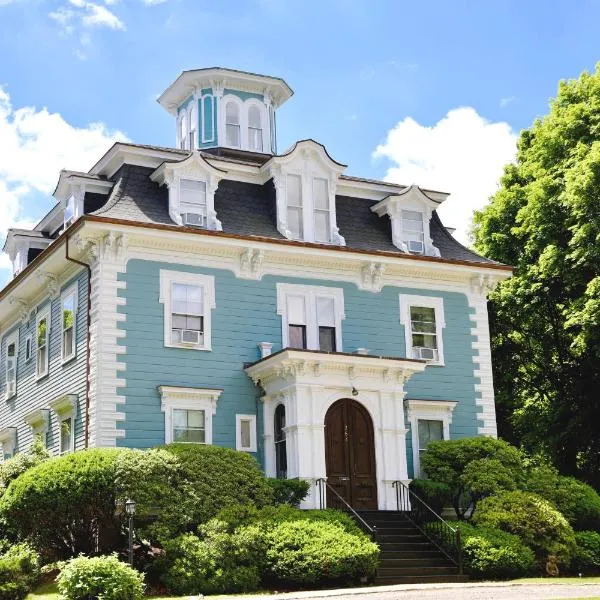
(192, 202)
(294, 207)
(255, 134)
(322, 210)
(412, 231)
(232, 124)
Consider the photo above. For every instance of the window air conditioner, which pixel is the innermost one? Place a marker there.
(425, 353)
(416, 247)
(190, 336)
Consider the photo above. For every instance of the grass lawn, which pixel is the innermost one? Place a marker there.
(571, 580)
(48, 592)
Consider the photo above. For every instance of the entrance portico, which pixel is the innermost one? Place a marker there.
(307, 383)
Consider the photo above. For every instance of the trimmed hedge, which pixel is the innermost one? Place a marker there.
(101, 577)
(19, 572)
(11, 468)
(288, 491)
(436, 495)
(539, 525)
(586, 559)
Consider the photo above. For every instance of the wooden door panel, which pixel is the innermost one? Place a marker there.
(336, 455)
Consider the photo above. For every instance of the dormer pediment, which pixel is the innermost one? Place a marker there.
(192, 183)
(305, 179)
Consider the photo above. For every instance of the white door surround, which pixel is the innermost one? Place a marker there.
(307, 383)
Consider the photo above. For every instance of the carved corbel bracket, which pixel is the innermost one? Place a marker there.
(482, 284)
(50, 280)
(251, 263)
(23, 307)
(371, 278)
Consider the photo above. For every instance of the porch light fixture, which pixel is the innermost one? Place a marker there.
(354, 391)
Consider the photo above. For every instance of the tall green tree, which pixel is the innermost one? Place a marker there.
(545, 321)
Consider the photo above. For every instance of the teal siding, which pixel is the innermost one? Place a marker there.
(69, 378)
(243, 95)
(208, 120)
(245, 315)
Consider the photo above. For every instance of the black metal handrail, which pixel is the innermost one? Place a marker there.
(438, 531)
(323, 487)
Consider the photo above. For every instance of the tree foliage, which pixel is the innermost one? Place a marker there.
(545, 321)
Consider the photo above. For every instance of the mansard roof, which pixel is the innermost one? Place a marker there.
(248, 209)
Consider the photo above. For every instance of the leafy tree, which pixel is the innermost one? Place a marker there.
(545, 321)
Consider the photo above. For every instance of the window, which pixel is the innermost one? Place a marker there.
(321, 206)
(181, 131)
(69, 211)
(311, 316)
(193, 120)
(423, 320)
(245, 428)
(65, 409)
(429, 431)
(28, 348)
(188, 413)
(66, 436)
(232, 124)
(188, 299)
(412, 231)
(68, 338)
(192, 202)
(39, 421)
(255, 142)
(294, 206)
(42, 335)
(280, 443)
(8, 440)
(12, 352)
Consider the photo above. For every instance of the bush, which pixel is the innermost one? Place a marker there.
(498, 464)
(577, 501)
(436, 495)
(533, 519)
(102, 577)
(288, 491)
(494, 554)
(13, 467)
(19, 572)
(586, 559)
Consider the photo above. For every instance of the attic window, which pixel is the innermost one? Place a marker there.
(192, 202)
(412, 231)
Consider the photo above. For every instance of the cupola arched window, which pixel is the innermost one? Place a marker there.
(182, 131)
(193, 115)
(232, 124)
(255, 132)
(280, 443)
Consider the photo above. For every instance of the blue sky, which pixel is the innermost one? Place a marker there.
(430, 92)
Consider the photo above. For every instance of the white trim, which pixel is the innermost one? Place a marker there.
(11, 338)
(44, 313)
(65, 407)
(427, 410)
(310, 293)
(185, 398)
(39, 421)
(207, 283)
(29, 339)
(238, 433)
(72, 290)
(8, 440)
(406, 301)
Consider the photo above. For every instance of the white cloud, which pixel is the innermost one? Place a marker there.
(34, 146)
(82, 15)
(504, 102)
(463, 154)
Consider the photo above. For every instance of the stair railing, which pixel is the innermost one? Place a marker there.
(323, 486)
(438, 531)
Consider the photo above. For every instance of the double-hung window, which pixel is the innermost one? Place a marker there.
(68, 337)
(255, 133)
(42, 342)
(311, 316)
(12, 351)
(294, 207)
(182, 132)
(188, 300)
(189, 426)
(66, 435)
(423, 320)
(412, 231)
(193, 120)
(192, 202)
(429, 431)
(232, 124)
(245, 433)
(69, 214)
(322, 210)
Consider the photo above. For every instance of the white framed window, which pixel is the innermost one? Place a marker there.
(65, 409)
(245, 433)
(68, 339)
(28, 348)
(192, 202)
(188, 300)
(255, 129)
(188, 413)
(295, 217)
(181, 130)
(322, 210)
(232, 124)
(12, 355)
(279, 436)
(429, 421)
(69, 214)
(311, 316)
(42, 340)
(413, 233)
(423, 321)
(192, 124)
(8, 440)
(39, 421)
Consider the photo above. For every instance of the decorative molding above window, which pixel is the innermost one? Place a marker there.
(423, 321)
(65, 406)
(305, 180)
(8, 440)
(39, 421)
(410, 213)
(192, 184)
(188, 413)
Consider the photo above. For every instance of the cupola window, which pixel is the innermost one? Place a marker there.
(69, 211)
(294, 206)
(412, 231)
(255, 134)
(182, 133)
(192, 202)
(192, 125)
(232, 124)
(321, 206)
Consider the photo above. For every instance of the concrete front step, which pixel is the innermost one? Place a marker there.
(386, 554)
(384, 571)
(425, 561)
(421, 579)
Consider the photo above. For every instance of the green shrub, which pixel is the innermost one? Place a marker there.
(577, 501)
(533, 519)
(498, 465)
(586, 559)
(101, 577)
(288, 491)
(13, 467)
(19, 572)
(436, 495)
(494, 554)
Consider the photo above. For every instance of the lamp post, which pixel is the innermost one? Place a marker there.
(130, 511)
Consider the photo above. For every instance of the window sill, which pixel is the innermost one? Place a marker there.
(68, 359)
(8, 398)
(249, 450)
(189, 347)
(42, 376)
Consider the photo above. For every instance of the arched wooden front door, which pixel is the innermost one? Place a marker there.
(350, 455)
